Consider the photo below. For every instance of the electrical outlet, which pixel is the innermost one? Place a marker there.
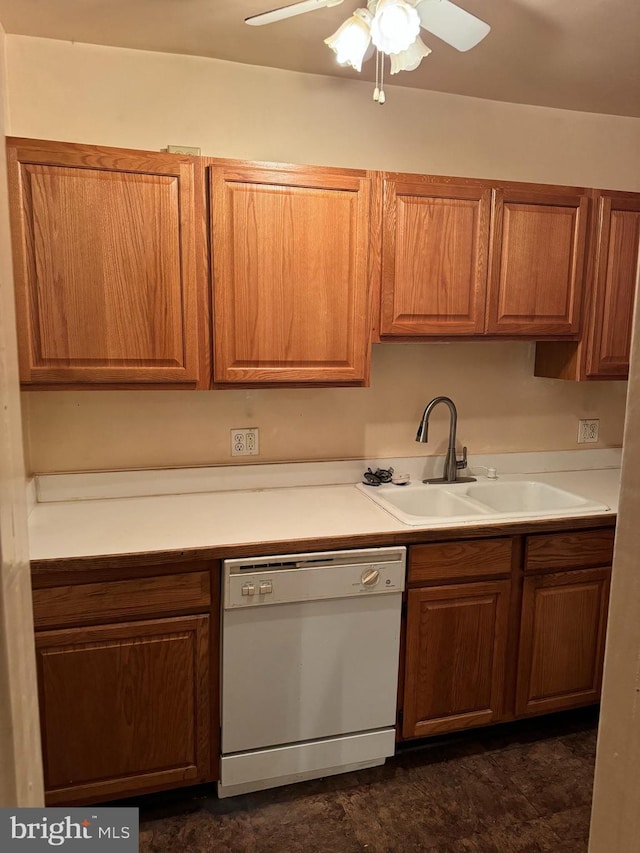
(245, 441)
(588, 431)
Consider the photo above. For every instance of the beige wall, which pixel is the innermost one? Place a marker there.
(501, 406)
(135, 99)
(111, 96)
(20, 763)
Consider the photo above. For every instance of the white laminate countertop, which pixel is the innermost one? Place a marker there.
(73, 528)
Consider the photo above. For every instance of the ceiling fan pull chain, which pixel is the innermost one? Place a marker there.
(376, 91)
(381, 98)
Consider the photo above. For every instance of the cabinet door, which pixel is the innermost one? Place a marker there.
(434, 258)
(290, 284)
(124, 708)
(538, 246)
(562, 640)
(615, 275)
(105, 264)
(455, 657)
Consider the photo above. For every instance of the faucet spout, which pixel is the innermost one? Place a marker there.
(451, 463)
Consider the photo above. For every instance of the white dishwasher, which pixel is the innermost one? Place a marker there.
(310, 647)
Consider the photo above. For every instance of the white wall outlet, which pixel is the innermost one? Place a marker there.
(245, 441)
(588, 431)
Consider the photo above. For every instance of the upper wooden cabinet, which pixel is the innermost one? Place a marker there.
(617, 250)
(538, 244)
(114, 250)
(465, 257)
(603, 352)
(290, 274)
(434, 258)
(105, 260)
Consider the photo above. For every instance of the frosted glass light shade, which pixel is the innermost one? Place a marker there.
(351, 40)
(409, 59)
(395, 26)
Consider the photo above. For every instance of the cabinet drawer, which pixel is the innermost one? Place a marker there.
(471, 559)
(98, 602)
(577, 550)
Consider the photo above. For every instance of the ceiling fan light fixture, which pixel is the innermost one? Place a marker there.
(409, 59)
(395, 26)
(351, 40)
(391, 28)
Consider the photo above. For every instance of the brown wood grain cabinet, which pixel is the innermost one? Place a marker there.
(537, 263)
(128, 691)
(603, 351)
(434, 257)
(290, 274)
(464, 257)
(109, 282)
(139, 269)
(564, 613)
(562, 637)
(456, 646)
(501, 628)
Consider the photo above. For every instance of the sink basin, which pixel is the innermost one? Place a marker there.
(418, 503)
(524, 496)
(484, 502)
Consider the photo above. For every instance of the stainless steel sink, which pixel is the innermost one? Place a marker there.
(480, 503)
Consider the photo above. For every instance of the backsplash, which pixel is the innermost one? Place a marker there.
(502, 408)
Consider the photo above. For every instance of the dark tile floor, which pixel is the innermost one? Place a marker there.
(522, 787)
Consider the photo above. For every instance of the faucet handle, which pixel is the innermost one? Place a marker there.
(462, 463)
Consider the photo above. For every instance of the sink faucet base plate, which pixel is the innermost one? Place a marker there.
(445, 480)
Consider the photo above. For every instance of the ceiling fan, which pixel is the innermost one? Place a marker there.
(391, 27)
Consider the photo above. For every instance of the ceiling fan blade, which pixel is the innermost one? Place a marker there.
(289, 11)
(452, 24)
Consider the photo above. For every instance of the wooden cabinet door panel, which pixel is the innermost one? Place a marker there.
(536, 275)
(105, 265)
(615, 283)
(290, 253)
(124, 707)
(455, 657)
(562, 640)
(434, 258)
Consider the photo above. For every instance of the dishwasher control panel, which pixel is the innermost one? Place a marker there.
(312, 577)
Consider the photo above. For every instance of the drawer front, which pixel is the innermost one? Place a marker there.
(545, 552)
(98, 602)
(474, 558)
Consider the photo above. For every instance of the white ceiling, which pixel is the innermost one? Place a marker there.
(573, 54)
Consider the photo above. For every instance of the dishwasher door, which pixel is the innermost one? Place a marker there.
(310, 651)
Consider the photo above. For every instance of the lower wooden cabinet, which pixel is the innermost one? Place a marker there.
(128, 682)
(124, 707)
(562, 638)
(456, 646)
(518, 629)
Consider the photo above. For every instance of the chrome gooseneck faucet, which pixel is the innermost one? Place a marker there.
(451, 463)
